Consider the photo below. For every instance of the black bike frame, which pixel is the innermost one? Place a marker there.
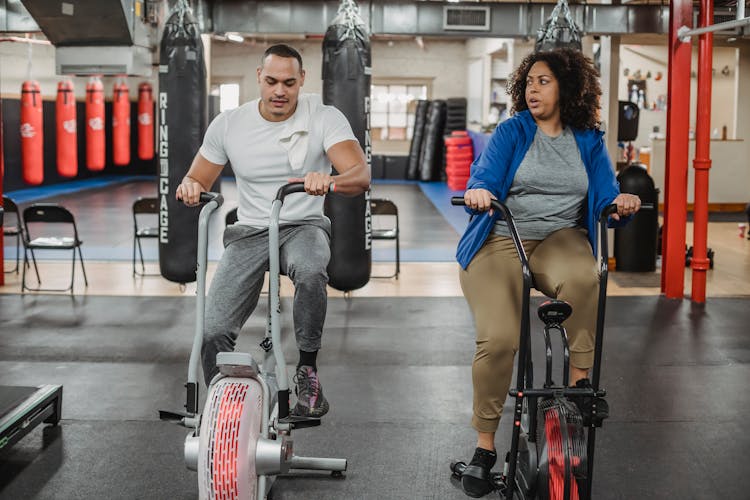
(524, 376)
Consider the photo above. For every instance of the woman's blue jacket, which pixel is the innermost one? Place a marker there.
(497, 165)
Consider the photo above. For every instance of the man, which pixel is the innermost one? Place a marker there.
(281, 137)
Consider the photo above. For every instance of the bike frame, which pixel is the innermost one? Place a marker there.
(525, 370)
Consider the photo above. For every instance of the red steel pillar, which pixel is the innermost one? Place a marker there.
(2, 178)
(675, 182)
(702, 161)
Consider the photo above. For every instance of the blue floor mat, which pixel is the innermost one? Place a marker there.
(29, 195)
(436, 247)
(440, 196)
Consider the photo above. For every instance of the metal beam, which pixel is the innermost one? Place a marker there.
(702, 160)
(685, 33)
(676, 174)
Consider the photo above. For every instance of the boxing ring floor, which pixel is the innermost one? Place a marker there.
(430, 229)
(396, 368)
(104, 219)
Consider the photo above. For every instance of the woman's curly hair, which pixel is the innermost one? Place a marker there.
(577, 79)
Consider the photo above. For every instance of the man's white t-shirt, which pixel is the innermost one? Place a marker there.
(264, 155)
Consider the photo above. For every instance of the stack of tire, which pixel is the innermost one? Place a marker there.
(455, 114)
(458, 157)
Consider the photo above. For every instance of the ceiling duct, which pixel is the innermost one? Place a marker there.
(14, 18)
(104, 37)
(409, 18)
(466, 18)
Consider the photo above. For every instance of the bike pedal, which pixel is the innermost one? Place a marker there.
(458, 468)
(498, 481)
(175, 417)
(298, 422)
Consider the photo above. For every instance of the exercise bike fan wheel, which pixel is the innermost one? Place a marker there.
(229, 431)
(562, 444)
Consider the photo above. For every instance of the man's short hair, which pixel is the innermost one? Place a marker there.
(282, 50)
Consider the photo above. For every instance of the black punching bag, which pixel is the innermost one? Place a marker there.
(346, 85)
(636, 242)
(415, 148)
(431, 156)
(182, 123)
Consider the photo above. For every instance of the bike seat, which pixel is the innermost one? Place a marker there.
(554, 312)
(237, 364)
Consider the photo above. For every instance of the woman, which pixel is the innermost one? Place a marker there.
(549, 165)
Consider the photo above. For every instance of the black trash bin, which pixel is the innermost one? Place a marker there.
(635, 243)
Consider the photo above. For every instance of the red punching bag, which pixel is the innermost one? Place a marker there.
(67, 138)
(32, 137)
(95, 124)
(121, 124)
(145, 122)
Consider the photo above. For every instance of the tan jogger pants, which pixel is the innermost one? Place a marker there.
(563, 267)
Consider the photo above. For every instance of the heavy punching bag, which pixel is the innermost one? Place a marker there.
(431, 156)
(182, 122)
(346, 85)
(32, 137)
(120, 124)
(67, 138)
(95, 145)
(415, 148)
(145, 122)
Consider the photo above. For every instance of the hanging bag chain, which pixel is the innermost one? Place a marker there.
(553, 32)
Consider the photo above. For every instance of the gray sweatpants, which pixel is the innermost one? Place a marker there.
(304, 254)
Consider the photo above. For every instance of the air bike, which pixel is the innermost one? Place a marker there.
(551, 453)
(242, 440)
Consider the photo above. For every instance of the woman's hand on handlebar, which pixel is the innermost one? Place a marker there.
(189, 191)
(627, 204)
(479, 199)
(316, 183)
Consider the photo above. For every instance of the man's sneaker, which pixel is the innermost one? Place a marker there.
(310, 399)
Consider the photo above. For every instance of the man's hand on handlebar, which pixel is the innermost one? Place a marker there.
(189, 191)
(479, 199)
(316, 183)
(627, 204)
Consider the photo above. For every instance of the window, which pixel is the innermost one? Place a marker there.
(393, 108)
(229, 96)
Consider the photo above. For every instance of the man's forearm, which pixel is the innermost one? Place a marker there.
(190, 178)
(353, 181)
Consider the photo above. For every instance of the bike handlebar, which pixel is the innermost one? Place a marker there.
(291, 188)
(296, 187)
(207, 196)
(606, 212)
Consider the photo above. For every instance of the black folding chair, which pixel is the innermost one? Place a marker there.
(385, 227)
(48, 226)
(231, 217)
(145, 225)
(12, 228)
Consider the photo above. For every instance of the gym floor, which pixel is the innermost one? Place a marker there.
(395, 367)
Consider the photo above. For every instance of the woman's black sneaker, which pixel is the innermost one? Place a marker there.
(585, 405)
(475, 480)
